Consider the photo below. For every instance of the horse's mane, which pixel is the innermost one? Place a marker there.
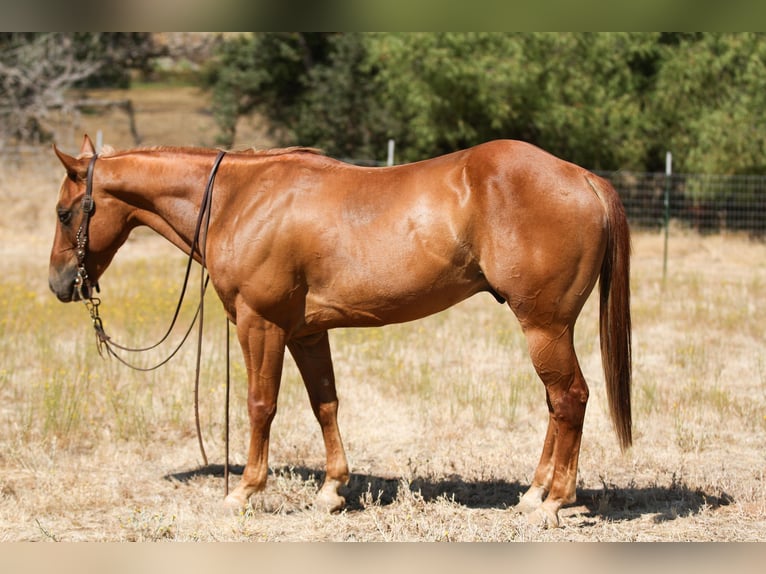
(283, 150)
(108, 151)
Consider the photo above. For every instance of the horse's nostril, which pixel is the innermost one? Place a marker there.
(62, 284)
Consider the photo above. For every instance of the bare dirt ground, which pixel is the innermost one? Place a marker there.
(443, 419)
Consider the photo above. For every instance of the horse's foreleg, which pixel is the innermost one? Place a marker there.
(312, 355)
(555, 361)
(263, 346)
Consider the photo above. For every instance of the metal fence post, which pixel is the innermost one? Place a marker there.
(390, 159)
(668, 172)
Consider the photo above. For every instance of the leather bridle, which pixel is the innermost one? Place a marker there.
(82, 285)
(84, 288)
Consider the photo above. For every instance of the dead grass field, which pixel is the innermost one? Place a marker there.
(443, 419)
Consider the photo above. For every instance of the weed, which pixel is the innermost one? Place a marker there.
(647, 395)
(689, 437)
(147, 526)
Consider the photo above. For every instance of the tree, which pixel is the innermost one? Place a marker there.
(606, 101)
(341, 110)
(710, 100)
(590, 95)
(262, 71)
(119, 54)
(316, 89)
(448, 90)
(37, 69)
(580, 96)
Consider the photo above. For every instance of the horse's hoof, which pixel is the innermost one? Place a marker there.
(526, 506)
(329, 502)
(234, 504)
(543, 518)
(530, 500)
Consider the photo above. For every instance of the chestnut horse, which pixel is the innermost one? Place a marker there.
(300, 243)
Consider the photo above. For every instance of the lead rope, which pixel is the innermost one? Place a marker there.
(207, 203)
(105, 341)
(226, 416)
(199, 360)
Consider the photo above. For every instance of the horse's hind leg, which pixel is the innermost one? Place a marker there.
(553, 355)
(312, 355)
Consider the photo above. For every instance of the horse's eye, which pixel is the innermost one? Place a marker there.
(65, 216)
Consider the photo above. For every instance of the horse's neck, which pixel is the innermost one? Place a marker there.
(166, 189)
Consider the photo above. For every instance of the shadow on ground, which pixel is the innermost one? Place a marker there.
(611, 502)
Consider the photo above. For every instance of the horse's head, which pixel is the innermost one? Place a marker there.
(88, 233)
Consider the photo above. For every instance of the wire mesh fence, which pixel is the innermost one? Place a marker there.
(703, 203)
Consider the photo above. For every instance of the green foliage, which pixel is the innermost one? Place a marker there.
(119, 53)
(449, 90)
(711, 102)
(604, 100)
(341, 111)
(267, 72)
(316, 89)
(590, 91)
(577, 95)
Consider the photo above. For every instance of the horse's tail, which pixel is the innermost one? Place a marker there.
(615, 323)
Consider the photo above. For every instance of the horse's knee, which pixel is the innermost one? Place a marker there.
(327, 412)
(261, 412)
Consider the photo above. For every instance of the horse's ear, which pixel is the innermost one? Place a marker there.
(73, 166)
(87, 146)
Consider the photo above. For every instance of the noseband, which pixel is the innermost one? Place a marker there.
(82, 283)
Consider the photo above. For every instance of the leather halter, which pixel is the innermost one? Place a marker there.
(82, 284)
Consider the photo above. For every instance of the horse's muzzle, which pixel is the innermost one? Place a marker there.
(66, 286)
(62, 283)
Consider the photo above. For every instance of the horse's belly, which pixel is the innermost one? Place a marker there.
(407, 269)
(369, 303)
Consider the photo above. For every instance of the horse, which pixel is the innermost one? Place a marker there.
(299, 243)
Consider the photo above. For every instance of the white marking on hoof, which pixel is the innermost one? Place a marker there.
(530, 500)
(328, 499)
(543, 518)
(235, 502)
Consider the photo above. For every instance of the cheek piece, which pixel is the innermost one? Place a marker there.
(83, 286)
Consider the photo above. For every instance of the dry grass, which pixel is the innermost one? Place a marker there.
(443, 419)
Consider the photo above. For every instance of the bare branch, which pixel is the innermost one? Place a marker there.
(34, 76)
